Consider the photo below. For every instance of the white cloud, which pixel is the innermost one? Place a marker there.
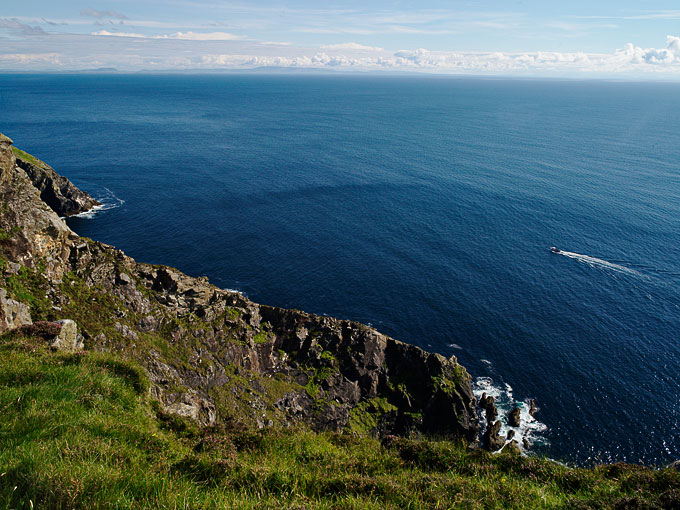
(668, 56)
(106, 33)
(201, 36)
(186, 51)
(351, 46)
(186, 36)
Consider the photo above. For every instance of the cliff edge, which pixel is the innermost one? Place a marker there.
(211, 354)
(55, 190)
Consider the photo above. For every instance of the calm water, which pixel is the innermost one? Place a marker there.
(423, 206)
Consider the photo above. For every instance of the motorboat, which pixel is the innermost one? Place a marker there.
(554, 250)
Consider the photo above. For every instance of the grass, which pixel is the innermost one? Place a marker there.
(81, 431)
(28, 286)
(27, 157)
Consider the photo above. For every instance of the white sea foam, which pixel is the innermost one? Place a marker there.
(108, 200)
(455, 346)
(530, 428)
(599, 263)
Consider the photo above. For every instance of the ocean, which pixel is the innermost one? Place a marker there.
(424, 206)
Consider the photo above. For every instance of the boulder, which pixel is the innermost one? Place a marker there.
(514, 417)
(492, 440)
(491, 411)
(532, 408)
(68, 338)
(13, 314)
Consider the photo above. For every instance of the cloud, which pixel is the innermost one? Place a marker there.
(223, 50)
(31, 58)
(186, 36)
(351, 46)
(53, 23)
(15, 24)
(102, 14)
(201, 36)
(106, 33)
(668, 56)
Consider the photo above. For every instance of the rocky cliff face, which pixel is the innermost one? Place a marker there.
(56, 191)
(211, 354)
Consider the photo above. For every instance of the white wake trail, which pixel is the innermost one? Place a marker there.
(595, 262)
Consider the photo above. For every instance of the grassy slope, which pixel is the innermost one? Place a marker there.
(79, 431)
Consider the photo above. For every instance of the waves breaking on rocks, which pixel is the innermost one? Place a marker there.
(530, 430)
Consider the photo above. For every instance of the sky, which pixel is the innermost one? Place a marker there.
(596, 38)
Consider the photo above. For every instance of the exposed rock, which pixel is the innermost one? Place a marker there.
(491, 439)
(514, 417)
(217, 357)
(512, 448)
(532, 408)
(56, 191)
(7, 160)
(68, 338)
(491, 411)
(126, 331)
(34, 232)
(483, 400)
(193, 406)
(510, 435)
(13, 314)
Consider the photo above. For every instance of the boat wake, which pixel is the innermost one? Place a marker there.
(107, 199)
(597, 263)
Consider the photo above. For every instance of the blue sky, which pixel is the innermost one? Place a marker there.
(523, 37)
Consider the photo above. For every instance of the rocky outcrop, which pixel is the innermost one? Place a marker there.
(13, 314)
(217, 357)
(68, 338)
(7, 160)
(492, 440)
(532, 408)
(56, 191)
(514, 417)
(61, 335)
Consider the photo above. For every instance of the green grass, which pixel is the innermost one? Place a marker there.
(29, 286)
(27, 157)
(81, 431)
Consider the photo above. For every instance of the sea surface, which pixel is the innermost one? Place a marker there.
(424, 206)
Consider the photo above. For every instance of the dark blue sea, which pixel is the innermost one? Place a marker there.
(424, 206)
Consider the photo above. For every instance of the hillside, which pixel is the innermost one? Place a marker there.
(157, 389)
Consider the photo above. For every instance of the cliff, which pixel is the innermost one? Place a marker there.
(211, 354)
(56, 191)
(126, 385)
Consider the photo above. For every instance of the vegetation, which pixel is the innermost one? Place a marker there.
(80, 431)
(27, 157)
